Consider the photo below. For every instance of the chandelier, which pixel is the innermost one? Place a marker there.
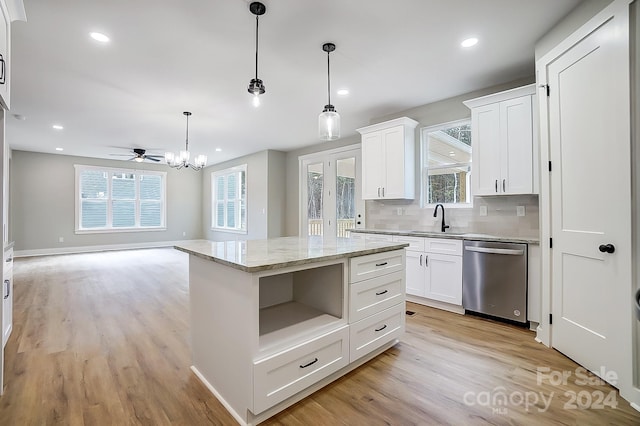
(182, 159)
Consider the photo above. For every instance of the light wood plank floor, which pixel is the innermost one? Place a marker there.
(103, 339)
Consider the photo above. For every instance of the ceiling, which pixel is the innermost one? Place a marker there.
(168, 56)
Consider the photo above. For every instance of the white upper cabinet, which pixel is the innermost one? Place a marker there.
(503, 142)
(388, 155)
(10, 10)
(5, 43)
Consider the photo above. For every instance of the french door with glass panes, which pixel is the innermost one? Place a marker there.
(330, 198)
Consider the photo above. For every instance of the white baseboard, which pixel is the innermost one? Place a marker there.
(213, 390)
(90, 249)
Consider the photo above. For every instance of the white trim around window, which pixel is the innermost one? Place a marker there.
(229, 200)
(133, 202)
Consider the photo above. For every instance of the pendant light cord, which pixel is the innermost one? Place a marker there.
(186, 145)
(256, 47)
(328, 79)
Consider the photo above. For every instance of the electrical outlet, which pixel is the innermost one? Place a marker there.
(520, 211)
(483, 210)
(61, 239)
(399, 211)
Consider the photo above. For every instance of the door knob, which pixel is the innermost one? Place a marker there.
(607, 248)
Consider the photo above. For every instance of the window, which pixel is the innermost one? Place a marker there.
(229, 199)
(111, 200)
(446, 164)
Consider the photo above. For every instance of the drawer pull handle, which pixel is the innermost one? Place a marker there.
(8, 284)
(381, 328)
(380, 293)
(381, 264)
(311, 363)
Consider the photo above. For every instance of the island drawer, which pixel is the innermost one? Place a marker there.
(280, 376)
(374, 295)
(375, 265)
(374, 331)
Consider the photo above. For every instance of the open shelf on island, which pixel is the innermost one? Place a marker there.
(299, 305)
(290, 322)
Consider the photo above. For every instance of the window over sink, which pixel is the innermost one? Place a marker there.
(446, 164)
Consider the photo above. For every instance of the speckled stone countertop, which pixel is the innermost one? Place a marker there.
(454, 235)
(275, 253)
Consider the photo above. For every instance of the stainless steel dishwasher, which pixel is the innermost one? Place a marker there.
(494, 279)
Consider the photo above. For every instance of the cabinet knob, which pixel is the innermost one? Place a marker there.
(607, 248)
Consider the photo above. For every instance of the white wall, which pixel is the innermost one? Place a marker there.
(42, 203)
(265, 205)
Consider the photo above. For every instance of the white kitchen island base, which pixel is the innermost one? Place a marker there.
(267, 334)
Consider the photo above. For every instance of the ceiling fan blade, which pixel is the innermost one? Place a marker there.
(149, 157)
(121, 155)
(154, 156)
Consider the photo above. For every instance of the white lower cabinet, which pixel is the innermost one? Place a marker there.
(376, 301)
(376, 330)
(7, 296)
(285, 374)
(434, 268)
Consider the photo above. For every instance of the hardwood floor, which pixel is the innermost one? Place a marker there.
(103, 339)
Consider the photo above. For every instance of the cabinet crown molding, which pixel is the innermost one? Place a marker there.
(402, 121)
(529, 89)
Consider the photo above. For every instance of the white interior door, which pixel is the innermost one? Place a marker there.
(331, 199)
(589, 145)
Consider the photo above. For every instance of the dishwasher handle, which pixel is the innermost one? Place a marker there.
(496, 250)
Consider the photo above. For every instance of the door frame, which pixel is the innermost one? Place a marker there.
(617, 8)
(322, 156)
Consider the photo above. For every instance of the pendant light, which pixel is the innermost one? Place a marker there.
(256, 88)
(182, 160)
(329, 119)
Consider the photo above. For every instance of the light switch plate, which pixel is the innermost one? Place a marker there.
(483, 210)
(520, 211)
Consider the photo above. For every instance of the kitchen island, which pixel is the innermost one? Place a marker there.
(272, 321)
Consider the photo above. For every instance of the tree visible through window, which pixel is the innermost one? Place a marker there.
(112, 199)
(446, 164)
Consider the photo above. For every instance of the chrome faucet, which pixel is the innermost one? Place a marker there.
(443, 227)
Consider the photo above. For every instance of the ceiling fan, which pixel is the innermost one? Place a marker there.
(140, 155)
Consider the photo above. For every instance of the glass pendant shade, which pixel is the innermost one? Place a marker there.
(329, 119)
(329, 124)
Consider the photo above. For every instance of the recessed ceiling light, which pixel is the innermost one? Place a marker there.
(469, 42)
(99, 37)
(57, 127)
(218, 149)
(59, 149)
(343, 92)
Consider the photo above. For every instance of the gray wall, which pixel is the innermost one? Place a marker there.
(584, 11)
(42, 203)
(380, 214)
(265, 206)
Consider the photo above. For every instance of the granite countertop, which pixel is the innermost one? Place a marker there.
(275, 253)
(453, 235)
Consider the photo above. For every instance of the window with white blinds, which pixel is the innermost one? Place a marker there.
(111, 200)
(229, 199)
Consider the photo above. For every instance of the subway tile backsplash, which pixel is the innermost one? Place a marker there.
(501, 218)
